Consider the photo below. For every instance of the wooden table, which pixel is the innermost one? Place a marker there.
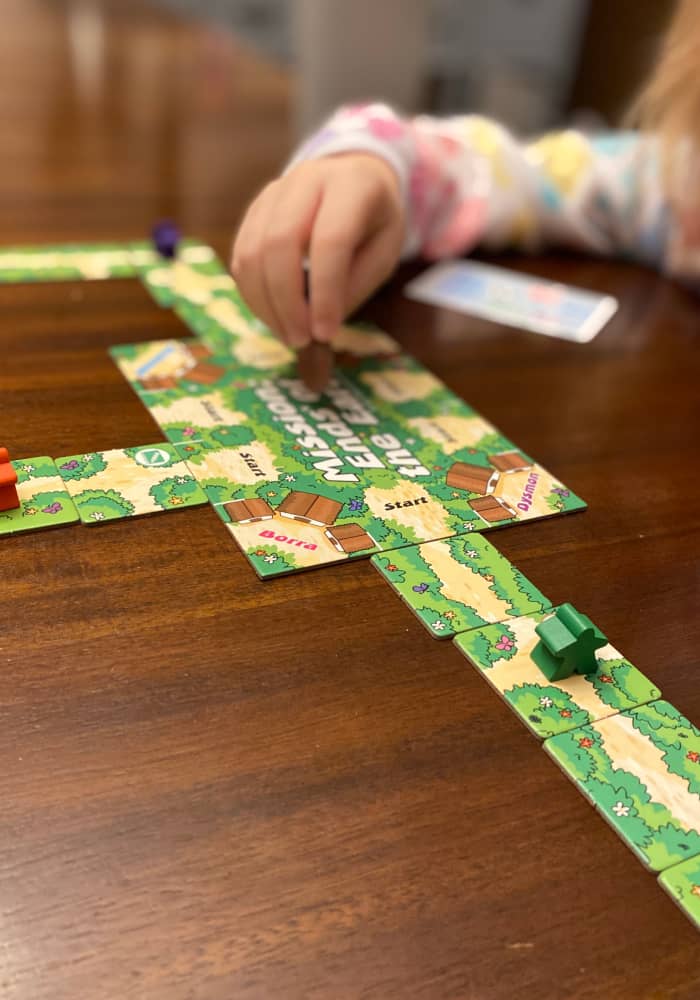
(215, 788)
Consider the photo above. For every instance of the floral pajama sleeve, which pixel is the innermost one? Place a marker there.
(467, 182)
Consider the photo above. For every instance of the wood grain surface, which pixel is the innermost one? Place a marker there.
(214, 788)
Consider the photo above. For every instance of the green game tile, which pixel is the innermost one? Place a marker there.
(641, 771)
(682, 883)
(502, 654)
(129, 482)
(44, 500)
(459, 583)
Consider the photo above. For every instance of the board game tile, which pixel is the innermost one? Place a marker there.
(44, 500)
(378, 445)
(67, 262)
(682, 883)
(171, 372)
(129, 482)
(144, 255)
(270, 438)
(275, 546)
(229, 332)
(183, 279)
(641, 771)
(459, 583)
(502, 654)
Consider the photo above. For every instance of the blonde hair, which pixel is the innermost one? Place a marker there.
(669, 105)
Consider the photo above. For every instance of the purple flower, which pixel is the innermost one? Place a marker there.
(355, 505)
(70, 465)
(53, 508)
(420, 588)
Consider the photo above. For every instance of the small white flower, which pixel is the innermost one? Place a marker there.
(97, 515)
(289, 479)
(620, 809)
(469, 526)
(182, 480)
(438, 625)
(28, 469)
(546, 702)
(270, 558)
(88, 458)
(472, 553)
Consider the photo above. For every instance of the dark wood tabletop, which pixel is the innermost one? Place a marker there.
(216, 788)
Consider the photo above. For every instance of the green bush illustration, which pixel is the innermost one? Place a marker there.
(647, 825)
(268, 559)
(82, 466)
(102, 505)
(548, 708)
(173, 492)
(477, 645)
(674, 734)
(34, 468)
(618, 684)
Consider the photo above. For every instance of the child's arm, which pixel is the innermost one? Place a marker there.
(370, 188)
(466, 181)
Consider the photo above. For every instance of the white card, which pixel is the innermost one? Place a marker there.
(514, 299)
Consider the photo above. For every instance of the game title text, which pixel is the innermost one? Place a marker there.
(329, 433)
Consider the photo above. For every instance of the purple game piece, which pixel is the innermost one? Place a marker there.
(166, 237)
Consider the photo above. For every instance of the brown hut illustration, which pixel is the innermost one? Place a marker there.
(199, 351)
(248, 511)
(349, 538)
(155, 382)
(510, 461)
(492, 509)
(474, 478)
(198, 369)
(205, 373)
(310, 508)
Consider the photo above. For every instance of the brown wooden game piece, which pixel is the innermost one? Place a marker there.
(475, 478)
(315, 364)
(493, 509)
(510, 461)
(312, 508)
(248, 511)
(349, 538)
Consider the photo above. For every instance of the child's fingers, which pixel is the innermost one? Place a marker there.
(285, 242)
(373, 264)
(341, 225)
(246, 263)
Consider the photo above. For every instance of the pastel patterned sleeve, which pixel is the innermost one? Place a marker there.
(467, 181)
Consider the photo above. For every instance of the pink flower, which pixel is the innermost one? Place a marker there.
(449, 145)
(505, 643)
(386, 128)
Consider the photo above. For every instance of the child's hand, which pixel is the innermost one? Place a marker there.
(343, 212)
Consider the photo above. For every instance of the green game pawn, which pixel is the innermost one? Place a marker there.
(568, 641)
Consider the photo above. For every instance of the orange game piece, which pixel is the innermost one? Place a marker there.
(8, 478)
